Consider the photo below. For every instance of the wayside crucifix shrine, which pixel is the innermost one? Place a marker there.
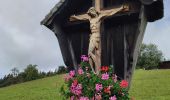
(110, 32)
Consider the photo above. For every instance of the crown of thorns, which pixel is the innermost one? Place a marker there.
(92, 9)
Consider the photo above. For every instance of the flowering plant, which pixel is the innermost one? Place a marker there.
(86, 85)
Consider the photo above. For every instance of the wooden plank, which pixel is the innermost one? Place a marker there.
(138, 41)
(64, 46)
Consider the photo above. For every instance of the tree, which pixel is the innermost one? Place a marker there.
(21, 77)
(7, 80)
(15, 71)
(31, 72)
(50, 73)
(42, 74)
(61, 70)
(149, 57)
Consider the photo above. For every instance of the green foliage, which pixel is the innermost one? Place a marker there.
(31, 72)
(7, 80)
(61, 70)
(149, 57)
(42, 74)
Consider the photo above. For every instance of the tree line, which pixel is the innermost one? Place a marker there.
(30, 73)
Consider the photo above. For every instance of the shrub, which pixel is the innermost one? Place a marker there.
(83, 84)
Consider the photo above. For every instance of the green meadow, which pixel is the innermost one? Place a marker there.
(151, 85)
(146, 85)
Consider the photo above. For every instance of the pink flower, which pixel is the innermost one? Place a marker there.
(72, 98)
(99, 87)
(84, 58)
(84, 98)
(114, 78)
(113, 98)
(67, 78)
(98, 97)
(76, 89)
(75, 82)
(80, 71)
(105, 76)
(72, 73)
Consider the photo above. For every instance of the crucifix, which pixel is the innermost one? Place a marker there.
(95, 16)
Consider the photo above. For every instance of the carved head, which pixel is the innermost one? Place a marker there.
(92, 12)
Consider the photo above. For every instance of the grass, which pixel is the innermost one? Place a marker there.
(42, 89)
(151, 85)
(146, 85)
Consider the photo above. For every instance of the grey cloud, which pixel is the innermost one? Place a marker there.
(23, 40)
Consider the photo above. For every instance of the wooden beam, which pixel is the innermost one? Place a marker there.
(98, 5)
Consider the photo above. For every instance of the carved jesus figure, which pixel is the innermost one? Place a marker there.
(95, 18)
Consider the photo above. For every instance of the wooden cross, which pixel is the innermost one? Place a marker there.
(95, 16)
(97, 6)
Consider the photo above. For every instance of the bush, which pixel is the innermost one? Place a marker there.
(87, 85)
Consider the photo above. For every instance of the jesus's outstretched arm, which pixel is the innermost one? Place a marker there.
(79, 17)
(107, 13)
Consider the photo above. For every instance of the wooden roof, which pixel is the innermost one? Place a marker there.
(49, 17)
(154, 10)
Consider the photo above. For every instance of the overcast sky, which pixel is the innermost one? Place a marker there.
(24, 41)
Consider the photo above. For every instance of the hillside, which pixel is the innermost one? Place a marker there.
(146, 85)
(42, 89)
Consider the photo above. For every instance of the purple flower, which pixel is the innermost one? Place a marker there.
(84, 58)
(80, 71)
(84, 98)
(113, 98)
(99, 87)
(72, 73)
(105, 76)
